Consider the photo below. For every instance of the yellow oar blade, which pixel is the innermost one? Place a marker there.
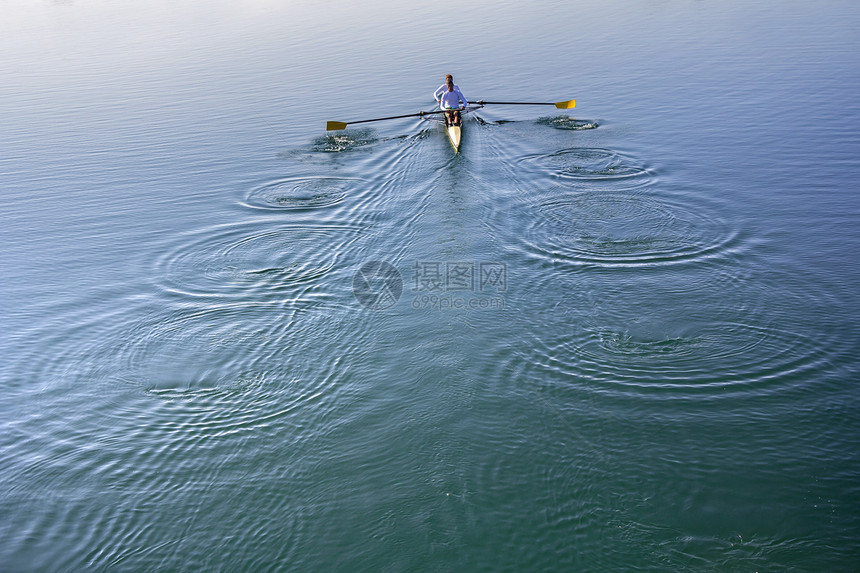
(334, 125)
(566, 104)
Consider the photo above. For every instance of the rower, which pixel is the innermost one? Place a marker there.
(449, 97)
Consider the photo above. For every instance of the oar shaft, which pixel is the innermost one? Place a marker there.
(336, 125)
(513, 102)
(559, 104)
(394, 117)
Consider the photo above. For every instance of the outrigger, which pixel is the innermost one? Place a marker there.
(454, 132)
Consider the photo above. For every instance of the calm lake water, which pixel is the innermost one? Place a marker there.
(617, 337)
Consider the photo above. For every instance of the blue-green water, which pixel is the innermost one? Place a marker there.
(625, 336)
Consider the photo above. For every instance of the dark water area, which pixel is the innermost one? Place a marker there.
(616, 337)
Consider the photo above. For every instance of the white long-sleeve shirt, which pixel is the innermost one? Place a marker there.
(450, 99)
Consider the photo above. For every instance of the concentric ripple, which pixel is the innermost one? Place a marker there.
(583, 164)
(706, 362)
(163, 406)
(301, 193)
(625, 228)
(196, 370)
(713, 361)
(254, 260)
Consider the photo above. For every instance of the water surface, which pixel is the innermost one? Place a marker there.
(624, 336)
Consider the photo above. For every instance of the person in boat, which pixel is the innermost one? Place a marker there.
(451, 98)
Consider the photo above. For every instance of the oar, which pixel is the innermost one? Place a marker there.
(336, 125)
(559, 104)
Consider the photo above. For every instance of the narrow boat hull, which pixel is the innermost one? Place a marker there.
(455, 132)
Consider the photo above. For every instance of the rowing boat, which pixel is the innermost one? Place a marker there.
(454, 132)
